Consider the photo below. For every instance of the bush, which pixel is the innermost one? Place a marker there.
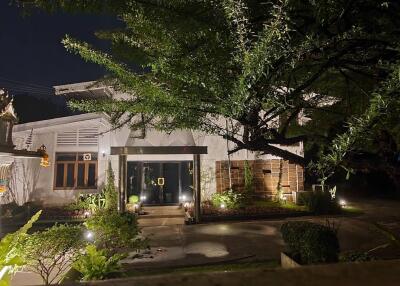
(356, 256)
(11, 209)
(229, 199)
(51, 252)
(114, 231)
(10, 258)
(320, 202)
(96, 265)
(110, 192)
(133, 199)
(310, 243)
(79, 205)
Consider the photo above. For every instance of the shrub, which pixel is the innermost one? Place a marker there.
(79, 205)
(248, 179)
(114, 231)
(51, 252)
(110, 192)
(229, 199)
(356, 256)
(310, 243)
(96, 265)
(10, 258)
(320, 202)
(133, 199)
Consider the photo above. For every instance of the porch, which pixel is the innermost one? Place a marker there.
(160, 175)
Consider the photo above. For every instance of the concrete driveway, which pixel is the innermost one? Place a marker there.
(180, 245)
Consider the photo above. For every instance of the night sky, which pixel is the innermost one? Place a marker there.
(32, 58)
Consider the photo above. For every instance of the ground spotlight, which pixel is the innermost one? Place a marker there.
(89, 235)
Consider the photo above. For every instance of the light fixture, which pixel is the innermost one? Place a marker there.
(103, 153)
(222, 206)
(342, 203)
(89, 235)
(182, 198)
(142, 198)
(45, 157)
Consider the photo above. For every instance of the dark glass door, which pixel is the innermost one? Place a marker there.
(171, 183)
(152, 190)
(159, 183)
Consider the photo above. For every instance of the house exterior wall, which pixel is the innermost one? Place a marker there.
(31, 182)
(268, 176)
(214, 172)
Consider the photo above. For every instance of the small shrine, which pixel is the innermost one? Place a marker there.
(7, 148)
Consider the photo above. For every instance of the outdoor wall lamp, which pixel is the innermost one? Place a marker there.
(45, 157)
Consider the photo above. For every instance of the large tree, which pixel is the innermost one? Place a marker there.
(252, 63)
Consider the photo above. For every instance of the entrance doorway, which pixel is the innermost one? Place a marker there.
(160, 183)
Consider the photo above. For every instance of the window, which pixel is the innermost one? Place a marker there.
(76, 170)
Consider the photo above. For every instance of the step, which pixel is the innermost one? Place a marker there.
(162, 212)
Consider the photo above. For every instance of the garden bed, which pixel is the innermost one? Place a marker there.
(256, 210)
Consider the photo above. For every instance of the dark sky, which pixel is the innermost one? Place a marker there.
(32, 59)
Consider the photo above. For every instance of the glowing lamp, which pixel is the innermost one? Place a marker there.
(89, 235)
(342, 203)
(45, 162)
(222, 206)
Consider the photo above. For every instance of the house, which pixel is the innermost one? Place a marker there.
(160, 168)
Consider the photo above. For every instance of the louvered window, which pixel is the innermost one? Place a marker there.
(78, 137)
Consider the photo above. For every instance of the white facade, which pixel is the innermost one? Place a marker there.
(92, 134)
(31, 182)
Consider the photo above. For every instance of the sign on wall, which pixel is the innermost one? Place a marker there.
(87, 157)
(5, 175)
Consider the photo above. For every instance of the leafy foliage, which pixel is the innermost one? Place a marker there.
(10, 259)
(94, 264)
(356, 256)
(254, 63)
(320, 202)
(110, 191)
(310, 243)
(228, 199)
(115, 231)
(248, 178)
(133, 199)
(51, 252)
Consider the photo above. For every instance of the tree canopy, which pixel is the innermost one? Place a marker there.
(261, 66)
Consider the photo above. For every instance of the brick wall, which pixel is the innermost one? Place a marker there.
(265, 176)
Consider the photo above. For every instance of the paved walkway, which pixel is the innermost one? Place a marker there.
(178, 245)
(175, 244)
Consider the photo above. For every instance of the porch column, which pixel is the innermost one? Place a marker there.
(197, 187)
(122, 182)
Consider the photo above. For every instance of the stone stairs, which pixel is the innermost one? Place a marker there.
(162, 215)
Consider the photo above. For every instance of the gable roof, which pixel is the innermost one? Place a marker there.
(56, 122)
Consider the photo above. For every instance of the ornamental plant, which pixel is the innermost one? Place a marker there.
(115, 231)
(10, 258)
(320, 202)
(228, 199)
(95, 264)
(51, 252)
(110, 192)
(311, 243)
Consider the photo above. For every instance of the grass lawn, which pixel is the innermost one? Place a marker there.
(276, 204)
(239, 266)
(350, 210)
